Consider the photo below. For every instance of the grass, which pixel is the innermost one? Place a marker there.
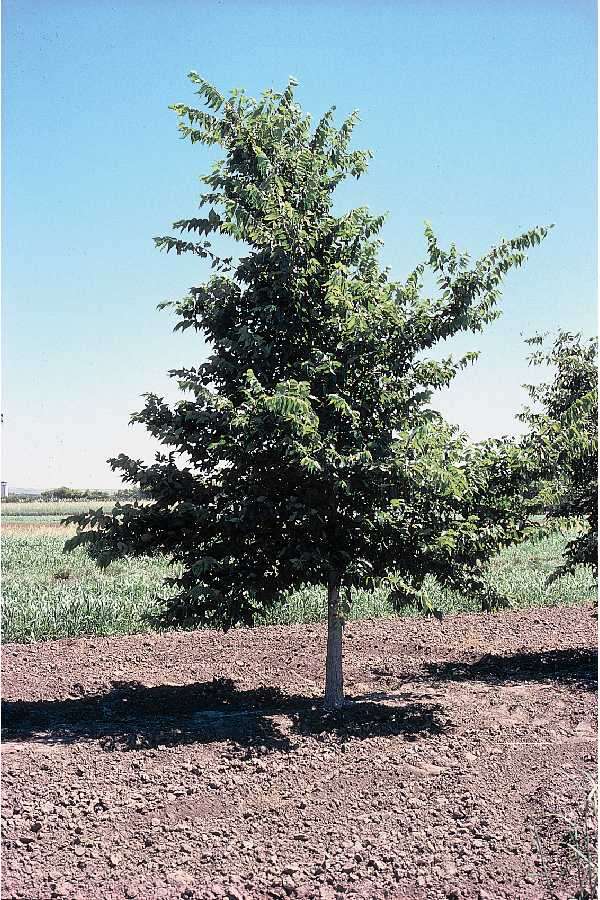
(518, 573)
(57, 510)
(47, 594)
(581, 839)
(50, 595)
(576, 831)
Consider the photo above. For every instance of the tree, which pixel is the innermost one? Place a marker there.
(563, 438)
(67, 493)
(128, 494)
(307, 451)
(61, 493)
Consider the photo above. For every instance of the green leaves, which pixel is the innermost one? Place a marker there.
(306, 443)
(562, 440)
(212, 96)
(311, 465)
(343, 407)
(204, 565)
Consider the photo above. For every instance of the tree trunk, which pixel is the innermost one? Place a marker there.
(334, 674)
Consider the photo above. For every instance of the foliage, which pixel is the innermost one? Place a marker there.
(307, 452)
(67, 493)
(64, 493)
(128, 494)
(563, 438)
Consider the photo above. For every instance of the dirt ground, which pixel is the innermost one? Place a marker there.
(201, 765)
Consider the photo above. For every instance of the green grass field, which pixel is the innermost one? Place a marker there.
(48, 594)
(50, 512)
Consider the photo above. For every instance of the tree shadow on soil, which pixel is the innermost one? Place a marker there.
(132, 716)
(576, 666)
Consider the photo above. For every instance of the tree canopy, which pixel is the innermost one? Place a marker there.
(563, 438)
(306, 449)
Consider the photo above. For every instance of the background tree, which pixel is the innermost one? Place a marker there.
(62, 493)
(306, 451)
(67, 493)
(563, 438)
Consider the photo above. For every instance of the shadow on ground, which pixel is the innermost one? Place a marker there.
(576, 667)
(132, 716)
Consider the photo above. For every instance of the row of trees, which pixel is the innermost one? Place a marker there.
(306, 449)
(68, 493)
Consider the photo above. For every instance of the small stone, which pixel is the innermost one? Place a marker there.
(234, 894)
(36, 827)
(176, 790)
(115, 859)
(376, 864)
(179, 879)
(326, 893)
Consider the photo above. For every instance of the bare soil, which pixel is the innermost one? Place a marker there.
(201, 765)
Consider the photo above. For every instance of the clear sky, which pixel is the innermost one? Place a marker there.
(480, 114)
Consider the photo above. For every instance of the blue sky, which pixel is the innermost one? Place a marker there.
(480, 115)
